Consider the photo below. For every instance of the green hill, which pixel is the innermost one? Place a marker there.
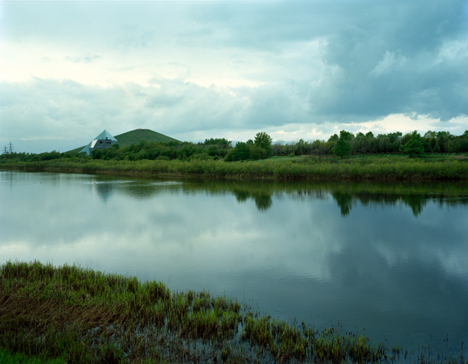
(136, 136)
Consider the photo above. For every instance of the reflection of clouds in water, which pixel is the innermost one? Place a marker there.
(434, 236)
(377, 268)
(299, 234)
(453, 262)
(392, 256)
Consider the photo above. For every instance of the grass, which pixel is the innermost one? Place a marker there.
(19, 358)
(286, 158)
(77, 315)
(369, 158)
(356, 168)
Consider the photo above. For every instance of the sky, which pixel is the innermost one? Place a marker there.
(196, 69)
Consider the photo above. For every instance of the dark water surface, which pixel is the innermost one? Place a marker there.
(386, 260)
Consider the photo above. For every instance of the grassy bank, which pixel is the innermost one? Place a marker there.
(379, 168)
(82, 316)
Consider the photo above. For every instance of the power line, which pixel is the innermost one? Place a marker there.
(8, 148)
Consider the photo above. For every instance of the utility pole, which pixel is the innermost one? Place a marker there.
(11, 148)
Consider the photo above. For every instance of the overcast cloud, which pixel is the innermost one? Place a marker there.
(201, 69)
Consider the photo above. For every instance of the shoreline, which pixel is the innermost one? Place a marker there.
(82, 315)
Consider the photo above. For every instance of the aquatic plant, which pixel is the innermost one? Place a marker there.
(79, 316)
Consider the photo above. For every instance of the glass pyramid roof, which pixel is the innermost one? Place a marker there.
(104, 134)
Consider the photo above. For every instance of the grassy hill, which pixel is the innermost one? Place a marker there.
(136, 136)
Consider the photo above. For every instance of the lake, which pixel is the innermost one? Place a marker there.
(386, 260)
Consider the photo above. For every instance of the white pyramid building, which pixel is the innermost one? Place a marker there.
(102, 141)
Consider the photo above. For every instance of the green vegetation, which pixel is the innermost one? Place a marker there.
(137, 135)
(414, 146)
(365, 144)
(82, 316)
(344, 157)
(357, 168)
(19, 358)
(240, 152)
(343, 144)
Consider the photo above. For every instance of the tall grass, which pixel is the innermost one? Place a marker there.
(391, 168)
(19, 358)
(82, 316)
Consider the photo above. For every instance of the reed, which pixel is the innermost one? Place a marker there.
(372, 168)
(79, 316)
(18, 358)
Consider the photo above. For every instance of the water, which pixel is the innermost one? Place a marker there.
(388, 261)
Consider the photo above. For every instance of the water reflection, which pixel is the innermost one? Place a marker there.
(390, 258)
(414, 195)
(263, 201)
(344, 201)
(103, 189)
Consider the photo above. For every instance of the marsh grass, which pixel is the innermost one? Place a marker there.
(359, 168)
(81, 316)
(19, 358)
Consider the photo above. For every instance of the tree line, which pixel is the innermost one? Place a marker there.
(262, 146)
(392, 143)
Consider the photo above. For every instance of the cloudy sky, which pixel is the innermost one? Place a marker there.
(200, 69)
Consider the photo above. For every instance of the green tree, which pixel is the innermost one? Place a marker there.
(220, 142)
(257, 152)
(334, 138)
(240, 152)
(300, 147)
(431, 138)
(263, 140)
(395, 140)
(343, 144)
(443, 137)
(414, 146)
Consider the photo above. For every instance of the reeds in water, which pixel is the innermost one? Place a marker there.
(81, 316)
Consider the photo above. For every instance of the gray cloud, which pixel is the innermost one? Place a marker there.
(57, 108)
(304, 63)
(408, 62)
(69, 110)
